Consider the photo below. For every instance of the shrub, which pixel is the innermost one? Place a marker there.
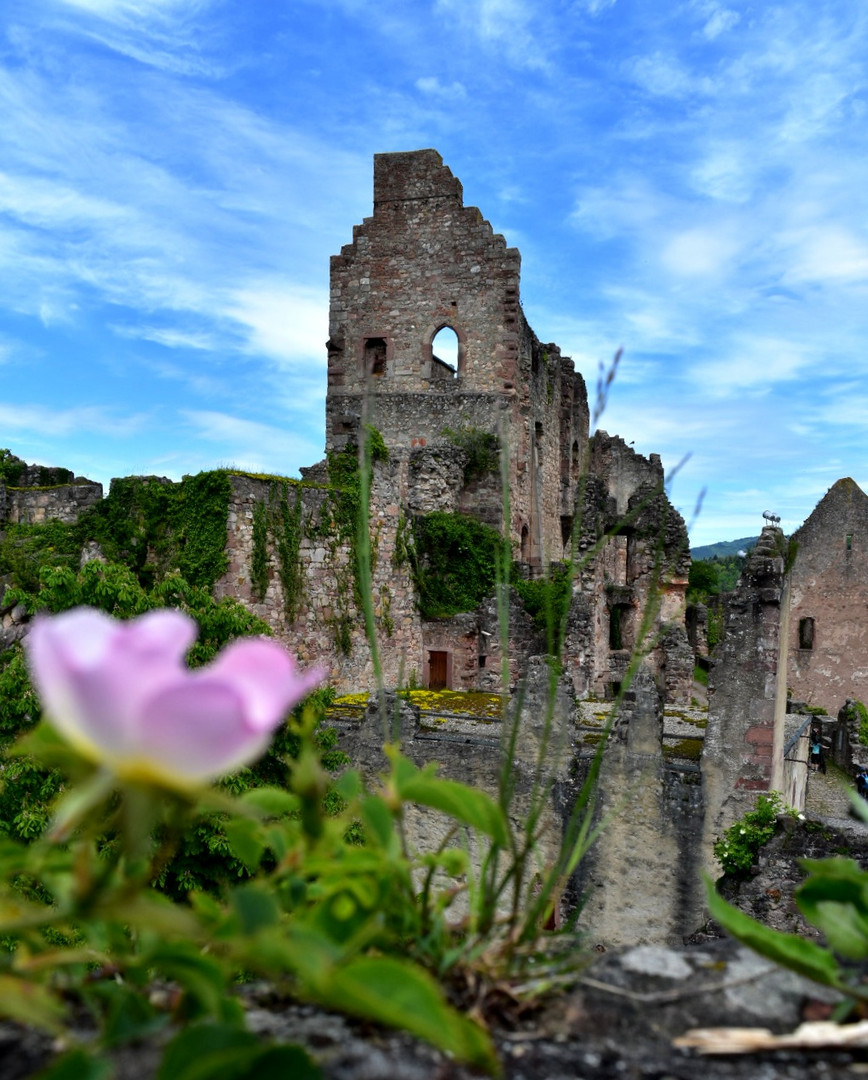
(855, 710)
(455, 563)
(737, 849)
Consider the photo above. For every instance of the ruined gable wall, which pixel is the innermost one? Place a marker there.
(422, 262)
(829, 584)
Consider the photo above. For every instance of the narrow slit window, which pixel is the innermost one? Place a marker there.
(806, 633)
(375, 356)
(616, 627)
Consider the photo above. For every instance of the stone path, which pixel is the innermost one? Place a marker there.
(828, 797)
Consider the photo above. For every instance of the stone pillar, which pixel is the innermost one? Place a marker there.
(737, 760)
(632, 877)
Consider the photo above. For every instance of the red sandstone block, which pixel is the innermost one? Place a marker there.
(751, 785)
(760, 735)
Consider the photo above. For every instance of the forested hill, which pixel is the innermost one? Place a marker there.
(723, 548)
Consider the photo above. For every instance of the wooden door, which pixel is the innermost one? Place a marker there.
(437, 671)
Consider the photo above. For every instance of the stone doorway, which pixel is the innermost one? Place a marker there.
(437, 670)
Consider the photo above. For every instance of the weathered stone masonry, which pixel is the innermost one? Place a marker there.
(423, 262)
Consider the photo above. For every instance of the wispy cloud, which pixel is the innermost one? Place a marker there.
(282, 321)
(250, 444)
(37, 419)
(431, 84)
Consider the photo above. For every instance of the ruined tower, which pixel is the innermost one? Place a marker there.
(425, 263)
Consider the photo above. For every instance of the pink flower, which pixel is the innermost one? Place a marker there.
(122, 695)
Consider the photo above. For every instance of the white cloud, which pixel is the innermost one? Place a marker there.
(505, 24)
(164, 34)
(726, 172)
(251, 444)
(281, 320)
(701, 251)
(750, 364)
(830, 254)
(720, 20)
(171, 338)
(430, 84)
(92, 419)
(597, 7)
(664, 76)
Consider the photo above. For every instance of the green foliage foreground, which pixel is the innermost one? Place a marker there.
(319, 917)
(834, 899)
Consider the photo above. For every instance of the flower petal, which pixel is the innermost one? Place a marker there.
(93, 672)
(196, 730)
(265, 674)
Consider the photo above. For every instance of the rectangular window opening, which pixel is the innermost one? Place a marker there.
(806, 633)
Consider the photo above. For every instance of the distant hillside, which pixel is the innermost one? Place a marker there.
(723, 547)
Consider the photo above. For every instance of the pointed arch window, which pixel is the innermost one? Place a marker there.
(444, 353)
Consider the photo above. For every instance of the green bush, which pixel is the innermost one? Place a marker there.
(455, 562)
(481, 447)
(547, 600)
(737, 849)
(855, 710)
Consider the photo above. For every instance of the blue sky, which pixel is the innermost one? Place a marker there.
(688, 181)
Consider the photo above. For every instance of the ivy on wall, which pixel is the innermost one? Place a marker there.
(279, 519)
(454, 563)
(155, 526)
(338, 526)
(481, 447)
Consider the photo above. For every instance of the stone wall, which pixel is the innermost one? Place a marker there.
(36, 505)
(642, 878)
(34, 494)
(743, 691)
(328, 629)
(472, 752)
(828, 636)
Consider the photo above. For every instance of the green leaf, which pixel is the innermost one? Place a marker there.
(77, 1065)
(397, 993)
(245, 841)
(273, 802)
(218, 1052)
(30, 1003)
(789, 950)
(465, 804)
(200, 976)
(349, 785)
(378, 820)
(255, 907)
(128, 1013)
(834, 899)
(282, 1062)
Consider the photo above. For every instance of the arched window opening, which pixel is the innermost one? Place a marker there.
(444, 353)
(575, 459)
(375, 356)
(525, 543)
